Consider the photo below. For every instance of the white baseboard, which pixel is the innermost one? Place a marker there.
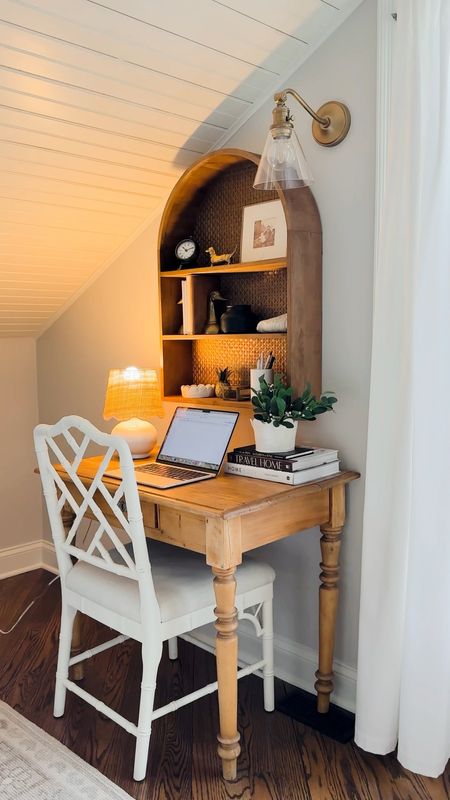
(37, 554)
(48, 557)
(294, 663)
(21, 558)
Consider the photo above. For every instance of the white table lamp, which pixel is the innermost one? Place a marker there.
(133, 396)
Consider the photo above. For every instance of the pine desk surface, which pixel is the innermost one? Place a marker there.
(226, 496)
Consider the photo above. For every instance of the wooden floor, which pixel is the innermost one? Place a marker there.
(280, 758)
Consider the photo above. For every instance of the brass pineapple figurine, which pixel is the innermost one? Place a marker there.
(223, 387)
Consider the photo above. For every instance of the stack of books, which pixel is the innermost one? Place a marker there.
(302, 465)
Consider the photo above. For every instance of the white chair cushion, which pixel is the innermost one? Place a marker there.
(182, 581)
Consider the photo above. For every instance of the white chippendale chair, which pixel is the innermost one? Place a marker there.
(148, 591)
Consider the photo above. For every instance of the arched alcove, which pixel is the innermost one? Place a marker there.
(207, 203)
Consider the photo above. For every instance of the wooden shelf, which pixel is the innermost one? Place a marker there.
(254, 266)
(207, 203)
(223, 336)
(213, 402)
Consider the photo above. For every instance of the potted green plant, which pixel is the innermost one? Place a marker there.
(276, 414)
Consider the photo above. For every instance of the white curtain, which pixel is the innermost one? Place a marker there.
(403, 694)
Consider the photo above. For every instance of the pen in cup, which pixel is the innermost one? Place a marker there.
(269, 361)
(265, 363)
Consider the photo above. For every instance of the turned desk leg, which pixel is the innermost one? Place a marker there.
(330, 545)
(226, 659)
(77, 671)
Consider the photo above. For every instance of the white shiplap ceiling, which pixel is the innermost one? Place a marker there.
(102, 107)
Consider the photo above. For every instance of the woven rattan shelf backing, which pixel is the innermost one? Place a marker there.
(266, 292)
(239, 355)
(219, 217)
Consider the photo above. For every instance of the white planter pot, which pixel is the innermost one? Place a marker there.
(269, 439)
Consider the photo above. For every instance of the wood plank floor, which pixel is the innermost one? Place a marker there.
(281, 759)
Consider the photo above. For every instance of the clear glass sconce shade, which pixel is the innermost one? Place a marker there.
(283, 163)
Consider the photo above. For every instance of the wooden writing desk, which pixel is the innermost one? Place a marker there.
(222, 519)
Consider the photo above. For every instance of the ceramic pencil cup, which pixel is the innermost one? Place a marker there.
(256, 374)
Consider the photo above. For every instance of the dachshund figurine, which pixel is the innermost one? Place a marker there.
(224, 258)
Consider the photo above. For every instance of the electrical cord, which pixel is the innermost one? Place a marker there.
(10, 630)
(30, 605)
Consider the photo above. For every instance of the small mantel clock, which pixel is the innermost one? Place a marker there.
(187, 252)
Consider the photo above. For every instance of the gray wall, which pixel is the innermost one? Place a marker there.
(115, 322)
(20, 491)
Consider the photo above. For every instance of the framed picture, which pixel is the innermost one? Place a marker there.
(264, 233)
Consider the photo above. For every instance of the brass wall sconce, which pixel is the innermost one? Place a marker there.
(283, 162)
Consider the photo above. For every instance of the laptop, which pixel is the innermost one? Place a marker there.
(193, 449)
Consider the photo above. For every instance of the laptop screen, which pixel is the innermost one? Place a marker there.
(198, 438)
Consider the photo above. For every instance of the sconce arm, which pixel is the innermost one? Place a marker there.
(280, 98)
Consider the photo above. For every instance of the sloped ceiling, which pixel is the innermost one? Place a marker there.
(102, 107)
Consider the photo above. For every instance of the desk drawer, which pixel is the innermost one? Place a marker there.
(298, 513)
(183, 530)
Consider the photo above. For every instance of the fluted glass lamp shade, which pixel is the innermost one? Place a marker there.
(283, 163)
(133, 396)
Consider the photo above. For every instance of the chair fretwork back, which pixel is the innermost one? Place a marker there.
(59, 494)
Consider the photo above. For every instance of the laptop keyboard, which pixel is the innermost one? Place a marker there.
(178, 473)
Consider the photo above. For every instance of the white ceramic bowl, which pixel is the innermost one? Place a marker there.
(197, 390)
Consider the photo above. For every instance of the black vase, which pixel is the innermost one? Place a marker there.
(238, 319)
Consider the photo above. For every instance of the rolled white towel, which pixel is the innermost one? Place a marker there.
(273, 325)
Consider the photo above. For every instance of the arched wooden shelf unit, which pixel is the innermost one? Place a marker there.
(207, 203)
